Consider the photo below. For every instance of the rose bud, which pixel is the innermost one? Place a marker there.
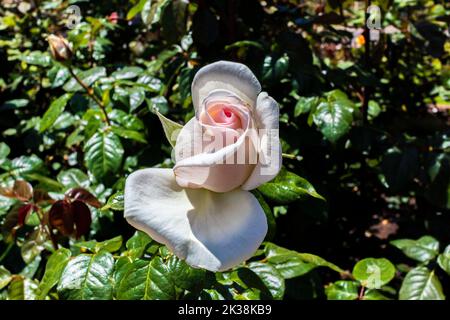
(113, 17)
(60, 48)
(202, 209)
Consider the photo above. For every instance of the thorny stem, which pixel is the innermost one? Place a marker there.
(91, 94)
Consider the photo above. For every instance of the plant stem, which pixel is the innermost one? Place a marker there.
(52, 239)
(8, 249)
(361, 293)
(91, 94)
(46, 228)
(288, 155)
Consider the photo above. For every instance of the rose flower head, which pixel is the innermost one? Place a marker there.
(202, 209)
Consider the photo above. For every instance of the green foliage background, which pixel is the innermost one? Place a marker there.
(364, 128)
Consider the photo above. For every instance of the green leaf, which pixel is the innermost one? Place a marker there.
(244, 284)
(146, 280)
(305, 105)
(334, 116)
(271, 223)
(88, 277)
(31, 268)
(88, 77)
(400, 167)
(444, 260)
(403, 243)
(342, 290)
(103, 154)
(115, 202)
(184, 84)
(211, 294)
(373, 109)
(288, 187)
(58, 75)
(148, 12)
(53, 271)
(121, 268)
(173, 19)
(274, 69)
(171, 128)
(374, 273)
(424, 249)
(136, 9)
(23, 165)
(293, 264)
(111, 245)
(73, 178)
(155, 65)
(45, 182)
(54, 111)
(37, 58)
(22, 288)
(14, 104)
(136, 96)
(184, 276)
(243, 44)
(319, 262)
(4, 152)
(125, 120)
(438, 192)
(271, 278)
(33, 245)
(374, 295)
(5, 277)
(127, 72)
(137, 244)
(421, 284)
(129, 134)
(158, 104)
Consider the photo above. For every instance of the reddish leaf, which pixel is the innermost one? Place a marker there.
(22, 190)
(40, 195)
(61, 217)
(81, 217)
(85, 196)
(24, 212)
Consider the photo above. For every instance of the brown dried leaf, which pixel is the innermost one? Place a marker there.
(384, 229)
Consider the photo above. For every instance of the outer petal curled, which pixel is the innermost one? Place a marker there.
(226, 75)
(269, 154)
(215, 231)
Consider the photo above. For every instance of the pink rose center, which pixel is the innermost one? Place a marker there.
(225, 115)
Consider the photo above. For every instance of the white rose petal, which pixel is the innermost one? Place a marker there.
(234, 77)
(215, 231)
(269, 162)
